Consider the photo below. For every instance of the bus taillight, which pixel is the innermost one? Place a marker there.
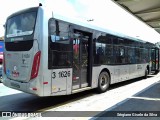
(35, 66)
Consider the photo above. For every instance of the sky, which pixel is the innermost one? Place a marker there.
(104, 13)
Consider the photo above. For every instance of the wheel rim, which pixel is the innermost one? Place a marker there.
(103, 82)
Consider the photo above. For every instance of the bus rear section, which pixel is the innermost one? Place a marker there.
(22, 52)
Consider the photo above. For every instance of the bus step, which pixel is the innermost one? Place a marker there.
(81, 89)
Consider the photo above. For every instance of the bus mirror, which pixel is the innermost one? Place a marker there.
(4, 26)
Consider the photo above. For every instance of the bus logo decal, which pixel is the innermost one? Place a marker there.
(15, 68)
(15, 74)
(8, 72)
(24, 61)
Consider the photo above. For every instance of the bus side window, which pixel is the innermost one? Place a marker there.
(52, 26)
(60, 52)
(122, 55)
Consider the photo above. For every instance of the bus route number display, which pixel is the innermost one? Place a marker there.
(61, 74)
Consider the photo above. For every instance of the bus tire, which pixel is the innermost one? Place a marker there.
(146, 73)
(103, 82)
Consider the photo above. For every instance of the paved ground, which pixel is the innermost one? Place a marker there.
(142, 106)
(138, 100)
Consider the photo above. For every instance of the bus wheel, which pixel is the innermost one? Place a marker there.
(103, 82)
(146, 73)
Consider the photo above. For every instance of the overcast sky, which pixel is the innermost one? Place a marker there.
(104, 12)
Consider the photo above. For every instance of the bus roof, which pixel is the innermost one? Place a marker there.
(83, 23)
(95, 27)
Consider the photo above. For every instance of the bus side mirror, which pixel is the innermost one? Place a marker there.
(4, 26)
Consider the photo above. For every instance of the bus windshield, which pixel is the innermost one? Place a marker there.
(20, 25)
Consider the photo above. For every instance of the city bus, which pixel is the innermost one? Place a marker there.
(48, 55)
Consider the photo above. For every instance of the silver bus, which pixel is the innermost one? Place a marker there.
(49, 55)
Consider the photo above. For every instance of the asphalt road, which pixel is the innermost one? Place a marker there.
(20, 101)
(142, 106)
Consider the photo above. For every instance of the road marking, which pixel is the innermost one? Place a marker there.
(146, 98)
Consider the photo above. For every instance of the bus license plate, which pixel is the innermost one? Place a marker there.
(15, 85)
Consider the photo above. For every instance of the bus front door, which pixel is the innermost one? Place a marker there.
(80, 62)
